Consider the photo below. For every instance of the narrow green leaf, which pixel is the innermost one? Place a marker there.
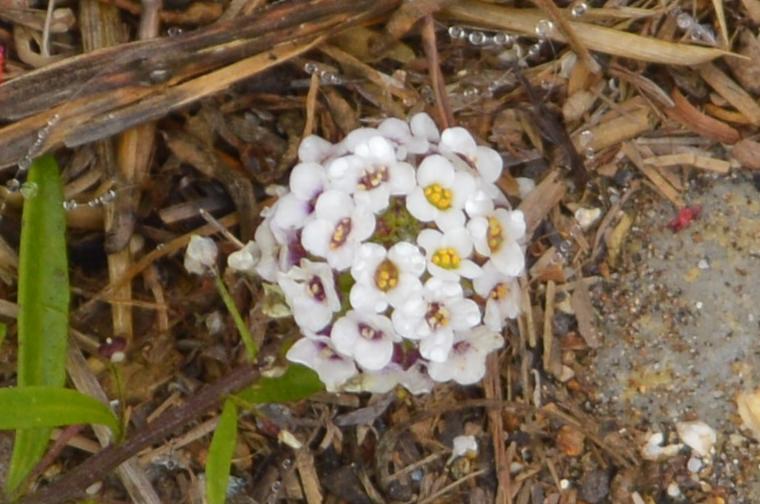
(298, 382)
(43, 298)
(220, 454)
(3, 331)
(39, 406)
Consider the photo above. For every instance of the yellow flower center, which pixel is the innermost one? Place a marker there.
(446, 258)
(437, 316)
(386, 276)
(340, 235)
(373, 178)
(495, 234)
(438, 196)
(499, 292)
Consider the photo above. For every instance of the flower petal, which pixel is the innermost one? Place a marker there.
(459, 140)
(420, 207)
(430, 240)
(436, 347)
(307, 180)
(408, 258)
(345, 333)
(510, 259)
(314, 149)
(373, 354)
(435, 169)
(316, 236)
(333, 205)
(422, 125)
(489, 163)
(366, 298)
(402, 178)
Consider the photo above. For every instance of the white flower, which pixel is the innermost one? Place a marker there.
(398, 131)
(487, 161)
(422, 125)
(414, 379)
(385, 277)
(245, 259)
(502, 294)
(497, 236)
(466, 362)
(310, 293)
(367, 337)
(277, 254)
(200, 256)
(316, 352)
(433, 317)
(314, 149)
(441, 194)
(464, 445)
(447, 253)
(338, 228)
(373, 174)
(307, 182)
(358, 137)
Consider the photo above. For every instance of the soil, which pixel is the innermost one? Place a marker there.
(681, 324)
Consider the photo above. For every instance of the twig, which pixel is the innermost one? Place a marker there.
(72, 484)
(436, 76)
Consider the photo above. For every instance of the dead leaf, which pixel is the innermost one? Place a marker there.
(584, 313)
(570, 441)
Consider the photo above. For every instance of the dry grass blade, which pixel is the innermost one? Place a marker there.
(600, 38)
(698, 122)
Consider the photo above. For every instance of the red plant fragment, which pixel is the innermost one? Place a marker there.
(684, 218)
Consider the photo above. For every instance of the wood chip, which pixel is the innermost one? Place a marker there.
(690, 159)
(585, 313)
(541, 200)
(308, 475)
(747, 153)
(731, 91)
(660, 183)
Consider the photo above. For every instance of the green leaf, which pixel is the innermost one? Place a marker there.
(3, 331)
(38, 406)
(220, 454)
(43, 299)
(298, 382)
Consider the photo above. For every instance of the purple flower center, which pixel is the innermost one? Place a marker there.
(373, 178)
(316, 289)
(370, 333)
(340, 235)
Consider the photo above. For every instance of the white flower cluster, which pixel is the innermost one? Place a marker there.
(397, 254)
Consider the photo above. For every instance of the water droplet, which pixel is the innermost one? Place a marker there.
(276, 486)
(477, 38)
(503, 39)
(70, 205)
(13, 185)
(534, 50)
(159, 75)
(174, 31)
(310, 67)
(579, 9)
(590, 155)
(684, 21)
(457, 32)
(544, 28)
(29, 190)
(585, 138)
(470, 92)
(108, 196)
(287, 463)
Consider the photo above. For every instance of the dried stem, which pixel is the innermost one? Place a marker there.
(73, 484)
